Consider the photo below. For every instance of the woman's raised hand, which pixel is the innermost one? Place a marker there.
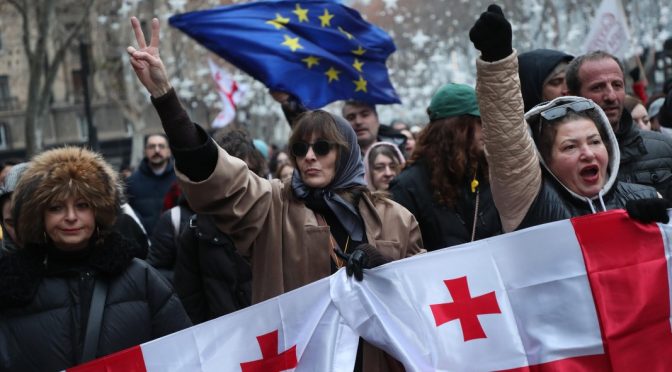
(146, 61)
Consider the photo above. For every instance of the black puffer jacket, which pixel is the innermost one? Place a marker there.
(45, 296)
(646, 156)
(554, 203)
(440, 225)
(211, 278)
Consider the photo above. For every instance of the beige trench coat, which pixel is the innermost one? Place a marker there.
(287, 246)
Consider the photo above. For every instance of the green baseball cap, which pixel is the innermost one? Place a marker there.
(453, 100)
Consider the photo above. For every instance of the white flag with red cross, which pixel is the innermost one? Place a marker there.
(587, 294)
(298, 331)
(229, 92)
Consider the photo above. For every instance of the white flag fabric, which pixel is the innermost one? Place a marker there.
(587, 294)
(547, 298)
(299, 331)
(229, 92)
(609, 30)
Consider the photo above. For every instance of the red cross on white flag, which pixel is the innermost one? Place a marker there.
(229, 92)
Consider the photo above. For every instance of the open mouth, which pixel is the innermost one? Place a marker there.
(590, 173)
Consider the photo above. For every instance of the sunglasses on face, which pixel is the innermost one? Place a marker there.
(560, 111)
(320, 148)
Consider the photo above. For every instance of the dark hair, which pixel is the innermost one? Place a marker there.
(147, 136)
(321, 124)
(238, 142)
(544, 136)
(572, 75)
(631, 102)
(447, 146)
(356, 103)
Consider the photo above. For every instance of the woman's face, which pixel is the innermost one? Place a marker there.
(410, 142)
(69, 223)
(579, 157)
(282, 158)
(317, 171)
(383, 172)
(641, 117)
(286, 172)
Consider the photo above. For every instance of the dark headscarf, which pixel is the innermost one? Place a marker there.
(349, 173)
(533, 68)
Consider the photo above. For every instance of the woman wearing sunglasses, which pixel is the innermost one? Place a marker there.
(559, 160)
(290, 230)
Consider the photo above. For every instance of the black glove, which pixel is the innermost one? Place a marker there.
(635, 74)
(492, 35)
(649, 210)
(365, 256)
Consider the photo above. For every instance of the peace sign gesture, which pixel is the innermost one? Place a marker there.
(146, 61)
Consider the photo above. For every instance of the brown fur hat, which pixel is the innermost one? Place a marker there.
(56, 175)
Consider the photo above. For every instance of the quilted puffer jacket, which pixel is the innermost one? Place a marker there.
(525, 191)
(45, 297)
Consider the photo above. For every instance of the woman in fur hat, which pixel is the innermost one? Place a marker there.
(74, 292)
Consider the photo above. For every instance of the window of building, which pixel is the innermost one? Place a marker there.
(5, 97)
(4, 136)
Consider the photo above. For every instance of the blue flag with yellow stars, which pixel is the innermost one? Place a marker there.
(319, 51)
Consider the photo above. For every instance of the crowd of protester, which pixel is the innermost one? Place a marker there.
(94, 261)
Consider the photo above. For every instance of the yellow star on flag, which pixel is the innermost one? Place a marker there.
(360, 84)
(292, 43)
(311, 61)
(301, 13)
(358, 65)
(359, 51)
(279, 21)
(346, 33)
(326, 18)
(332, 73)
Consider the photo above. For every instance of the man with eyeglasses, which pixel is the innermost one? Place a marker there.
(646, 156)
(148, 185)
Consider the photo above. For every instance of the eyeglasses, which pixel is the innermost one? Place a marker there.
(320, 148)
(560, 111)
(160, 146)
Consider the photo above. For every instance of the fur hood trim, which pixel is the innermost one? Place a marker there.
(57, 174)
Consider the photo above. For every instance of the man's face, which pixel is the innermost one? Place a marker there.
(602, 81)
(365, 123)
(157, 151)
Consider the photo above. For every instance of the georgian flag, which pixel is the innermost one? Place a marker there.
(229, 92)
(298, 331)
(587, 294)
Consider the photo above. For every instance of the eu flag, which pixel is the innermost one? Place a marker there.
(320, 51)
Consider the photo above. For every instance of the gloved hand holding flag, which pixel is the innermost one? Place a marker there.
(319, 51)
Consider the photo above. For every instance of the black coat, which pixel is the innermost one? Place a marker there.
(646, 156)
(440, 225)
(554, 203)
(163, 252)
(211, 278)
(146, 191)
(45, 297)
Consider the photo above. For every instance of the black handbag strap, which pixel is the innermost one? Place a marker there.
(95, 320)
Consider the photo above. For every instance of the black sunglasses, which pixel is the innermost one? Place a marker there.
(560, 111)
(320, 148)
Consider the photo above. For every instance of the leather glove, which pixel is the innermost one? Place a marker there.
(492, 35)
(364, 256)
(649, 210)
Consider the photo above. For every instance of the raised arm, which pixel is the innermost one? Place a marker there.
(515, 171)
(195, 154)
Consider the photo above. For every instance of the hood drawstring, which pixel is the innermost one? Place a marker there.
(592, 207)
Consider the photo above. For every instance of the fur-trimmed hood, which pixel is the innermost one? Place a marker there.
(57, 174)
